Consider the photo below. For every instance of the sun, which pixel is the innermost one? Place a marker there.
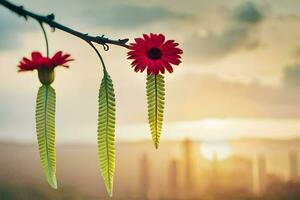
(215, 150)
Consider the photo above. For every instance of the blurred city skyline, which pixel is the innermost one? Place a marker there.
(240, 66)
(179, 170)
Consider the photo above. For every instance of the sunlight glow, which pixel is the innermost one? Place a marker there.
(215, 150)
(211, 123)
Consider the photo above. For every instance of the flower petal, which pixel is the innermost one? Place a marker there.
(36, 55)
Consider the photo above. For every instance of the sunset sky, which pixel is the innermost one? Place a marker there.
(240, 72)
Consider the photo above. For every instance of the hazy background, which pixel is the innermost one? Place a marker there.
(238, 83)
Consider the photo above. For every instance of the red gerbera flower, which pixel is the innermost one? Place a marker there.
(154, 53)
(38, 61)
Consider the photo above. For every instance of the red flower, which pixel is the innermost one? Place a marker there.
(38, 61)
(154, 53)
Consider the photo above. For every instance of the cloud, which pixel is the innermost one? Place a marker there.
(11, 28)
(8, 30)
(214, 46)
(291, 76)
(237, 35)
(127, 16)
(208, 96)
(248, 12)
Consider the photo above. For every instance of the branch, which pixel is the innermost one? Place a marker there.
(49, 19)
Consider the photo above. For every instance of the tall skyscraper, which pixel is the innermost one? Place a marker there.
(173, 179)
(215, 172)
(190, 158)
(293, 157)
(173, 175)
(144, 176)
(262, 174)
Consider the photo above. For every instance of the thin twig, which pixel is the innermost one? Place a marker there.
(49, 19)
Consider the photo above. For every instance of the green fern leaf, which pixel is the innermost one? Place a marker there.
(45, 128)
(106, 131)
(155, 87)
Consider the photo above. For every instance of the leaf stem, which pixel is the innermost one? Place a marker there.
(156, 133)
(100, 57)
(46, 39)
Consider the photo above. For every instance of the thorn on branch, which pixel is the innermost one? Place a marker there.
(20, 12)
(51, 17)
(101, 39)
(124, 41)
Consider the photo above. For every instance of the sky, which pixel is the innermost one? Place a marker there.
(241, 61)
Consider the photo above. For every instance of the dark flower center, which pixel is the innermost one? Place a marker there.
(154, 53)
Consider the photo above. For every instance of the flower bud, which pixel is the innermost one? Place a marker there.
(46, 75)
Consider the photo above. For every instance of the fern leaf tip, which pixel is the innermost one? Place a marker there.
(110, 193)
(54, 187)
(53, 183)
